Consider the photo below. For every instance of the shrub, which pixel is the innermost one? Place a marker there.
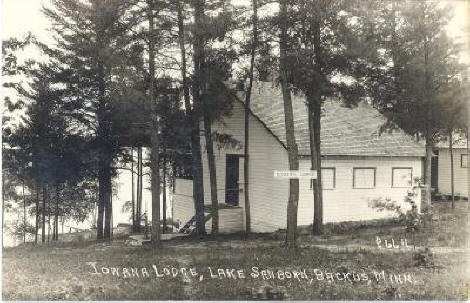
(411, 218)
(423, 258)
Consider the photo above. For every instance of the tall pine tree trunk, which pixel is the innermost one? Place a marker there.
(100, 215)
(133, 189)
(138, 215)
(44, 200)
(292, 149)
(426, 202)
(56, 214)
(36, 229)
(104, 161)
(105, 180)
(246, 163)
(24, 213)
(314, 109)
(164, 189)
(212, 173)
(451, 151)
(48, 219)
(197, 89)
(429, 122)
(154, 136)
(314, 116)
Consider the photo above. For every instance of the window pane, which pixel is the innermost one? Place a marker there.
(364, 177)
(463, 161)
(401, 177)
(328, 178)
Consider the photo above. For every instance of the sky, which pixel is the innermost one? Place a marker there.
(21, 16)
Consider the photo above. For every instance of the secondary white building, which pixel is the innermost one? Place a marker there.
(442, 171)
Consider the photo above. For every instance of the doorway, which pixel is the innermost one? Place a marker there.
(232, 177)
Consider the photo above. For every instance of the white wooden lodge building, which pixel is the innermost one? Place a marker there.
(358, 165)
(442, 169)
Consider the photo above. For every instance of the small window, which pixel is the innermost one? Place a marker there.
(463, 160)
(364, 177)
(328, 178)
(402, 176)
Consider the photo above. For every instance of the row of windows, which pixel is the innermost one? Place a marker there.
(365, 177)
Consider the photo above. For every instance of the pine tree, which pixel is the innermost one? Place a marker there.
(91, 40)
(246, 168)
(292, 149)
(412, 74)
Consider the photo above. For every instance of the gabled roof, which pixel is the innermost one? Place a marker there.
(345, 131)
(459, 142)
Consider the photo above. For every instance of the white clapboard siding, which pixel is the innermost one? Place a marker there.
(230, 221)
(183, 204)
(345, 203)
(268, 196)
(444, 175)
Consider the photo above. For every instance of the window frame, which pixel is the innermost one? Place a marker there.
(462, 162)
(334, 179)
(354, 177)
(410, 168)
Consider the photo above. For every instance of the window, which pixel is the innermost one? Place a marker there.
(463, 160)
(402, 176)
(363, 177)
(328, 178)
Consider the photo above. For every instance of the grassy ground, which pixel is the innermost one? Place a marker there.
(331, 267)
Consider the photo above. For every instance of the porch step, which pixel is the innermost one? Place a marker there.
(139, 240)
(190, 226)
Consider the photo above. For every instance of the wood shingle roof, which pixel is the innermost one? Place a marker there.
(345, 131)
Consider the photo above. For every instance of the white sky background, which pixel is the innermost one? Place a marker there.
(18, 17)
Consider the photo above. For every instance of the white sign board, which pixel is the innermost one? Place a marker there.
(295, 174)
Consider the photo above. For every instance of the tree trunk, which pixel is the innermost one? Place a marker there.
(164, 190)
(24, 214)
(451, 151)
(44, 199)
(154, 136)
(111, 214)
(193, 122)
(314, 108)
(38, 189)
(133, 189)
(186, 97)
(56, 223)
(426, 202)
(429, 122)
(105, 159)
(198, 87)
(292, 149)
(246, 165)
(3, 204)
(106, 179)
(212, 174)
(100, 216)
(48, 219)
(139, 189)
(315, 159)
